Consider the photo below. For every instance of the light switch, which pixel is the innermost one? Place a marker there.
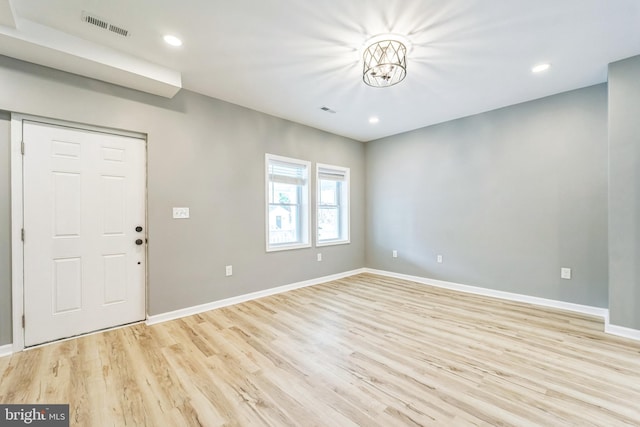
(180, 213)
(565, 273)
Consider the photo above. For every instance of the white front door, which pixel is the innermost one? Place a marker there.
(84, 202)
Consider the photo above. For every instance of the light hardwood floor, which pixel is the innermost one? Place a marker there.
(366, 350)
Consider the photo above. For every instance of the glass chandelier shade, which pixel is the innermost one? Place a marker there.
(385, 63)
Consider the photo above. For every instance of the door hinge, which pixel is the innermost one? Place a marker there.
(22, 234)
(22, 147)
(23, 321)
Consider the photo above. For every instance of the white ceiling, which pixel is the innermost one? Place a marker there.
(288, 58)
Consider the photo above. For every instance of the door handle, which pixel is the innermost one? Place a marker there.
(139, 242)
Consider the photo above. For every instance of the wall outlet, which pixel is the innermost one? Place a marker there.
(229, 270)
(394, 253)
(439, 259)
(180, 213)
(565, 273)
(319, 257)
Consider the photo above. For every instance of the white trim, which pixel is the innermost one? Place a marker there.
(9, 349)
(305, 205)
(17, 213)
(6, 350)
(80, 126)
(17, 255)
(332, 243)
(345, 206)
(184, 312)
(621, 331)
(288, 247)
(562, 305)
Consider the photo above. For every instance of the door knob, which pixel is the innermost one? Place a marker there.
(138, 229)
(138, 242)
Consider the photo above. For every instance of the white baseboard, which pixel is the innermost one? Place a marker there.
(6, 350)
(622, 331)
(583, 309)
(164, 317)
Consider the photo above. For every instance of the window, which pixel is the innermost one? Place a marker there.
(332, 210)
(287, 182)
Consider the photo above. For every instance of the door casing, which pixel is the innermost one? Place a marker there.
(17, 215)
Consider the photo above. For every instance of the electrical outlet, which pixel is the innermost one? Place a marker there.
(394, 254)
(319, 257)
(229, 270)
(565, 273)
(439, 259)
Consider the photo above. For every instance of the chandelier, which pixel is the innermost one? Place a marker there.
(385, 62)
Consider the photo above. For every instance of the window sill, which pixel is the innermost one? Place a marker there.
(288, 247)
(332, 243)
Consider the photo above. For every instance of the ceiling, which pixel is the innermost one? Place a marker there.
(289, 58)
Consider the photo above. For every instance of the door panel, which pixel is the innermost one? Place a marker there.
(67, 204)
(67, 285)
(115, 278)
(84, 195)
(113, 205)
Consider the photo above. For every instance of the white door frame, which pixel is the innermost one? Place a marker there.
(17, 213)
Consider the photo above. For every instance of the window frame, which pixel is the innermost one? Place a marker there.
(303, 218)
(343, 205)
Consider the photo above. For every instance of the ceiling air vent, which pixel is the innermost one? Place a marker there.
(95, 21)
(104, 24)
(118, 30)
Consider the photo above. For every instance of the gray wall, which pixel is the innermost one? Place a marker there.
(205, 154)
(624, 193)
(507, 197)
(5, 231)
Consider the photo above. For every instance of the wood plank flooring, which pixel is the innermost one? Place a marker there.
(366, 351)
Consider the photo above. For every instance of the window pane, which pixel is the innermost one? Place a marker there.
(332, 205)
(283, 224)
(283, 193)
(287, 207)
(328, 223)
(329, 192)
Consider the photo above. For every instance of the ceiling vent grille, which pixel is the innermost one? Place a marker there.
(328, 110)
(95, 21)
(105, 25)
(118, 30)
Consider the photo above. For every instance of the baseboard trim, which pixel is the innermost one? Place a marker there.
(578, 308)
(622, 331)
(189, 311)
(6, 350)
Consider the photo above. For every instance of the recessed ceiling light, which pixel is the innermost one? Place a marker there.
(540, 68)
(373, 120)
(172, 40)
